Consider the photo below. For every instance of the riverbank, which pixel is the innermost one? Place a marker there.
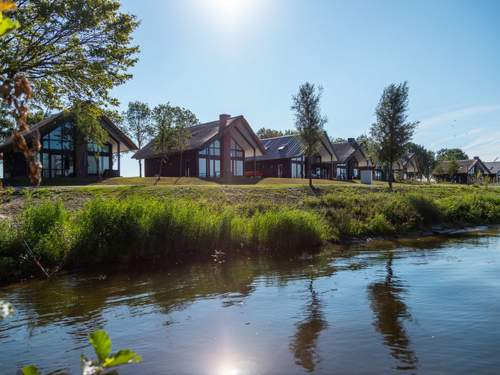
(81, 227)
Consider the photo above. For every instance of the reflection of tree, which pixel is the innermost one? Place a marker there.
(305, 339)
(390, 309)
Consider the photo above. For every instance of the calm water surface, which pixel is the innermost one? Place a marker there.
(424, 307)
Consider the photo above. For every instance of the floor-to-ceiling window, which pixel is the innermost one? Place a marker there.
(209, 160)
(237, 159)
(99, 158)
(298, 167)
(57, 154)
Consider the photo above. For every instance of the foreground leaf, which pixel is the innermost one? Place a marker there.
(6, 6)
(123, 357)
(30, 370)
(101, 343)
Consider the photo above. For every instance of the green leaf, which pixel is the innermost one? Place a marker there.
(30, 370)
(101, 343)
(123, 357)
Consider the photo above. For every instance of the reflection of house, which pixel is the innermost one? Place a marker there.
(350, 160)
(284, 157)
(215, 149)
(65, 153)
(461, 171)
(494, 168)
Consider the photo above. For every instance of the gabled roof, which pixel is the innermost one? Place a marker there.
(344, 151)
(284, 147)
(107, 124)
(289, 146)
(201, 135)
(464, 166)
(493, 166)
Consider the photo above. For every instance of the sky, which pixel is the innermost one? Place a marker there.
(248, 57)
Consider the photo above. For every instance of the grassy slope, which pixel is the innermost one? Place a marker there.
(140, 220)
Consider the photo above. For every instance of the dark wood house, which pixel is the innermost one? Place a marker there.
(494, 168)
(215, 150)
(65, 152)
(406, 168)
(351, 160)
(284, 158)
(461, 171)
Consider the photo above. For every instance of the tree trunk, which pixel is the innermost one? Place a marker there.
(391, 176)
(309, 172)
(160, 170)
(140, 168)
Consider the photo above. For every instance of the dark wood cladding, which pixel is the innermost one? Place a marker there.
(172, 167)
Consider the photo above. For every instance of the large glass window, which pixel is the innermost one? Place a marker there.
(209, 160)
(342, 172)
(237, 159)
(98, 158)
(57, 154)
(297, 167)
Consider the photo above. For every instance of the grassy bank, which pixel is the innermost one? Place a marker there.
(112, 225)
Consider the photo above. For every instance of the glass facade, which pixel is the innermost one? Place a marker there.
(99, 158)
(298, 167)
(209, 160)
(57, 154)
(237, 159)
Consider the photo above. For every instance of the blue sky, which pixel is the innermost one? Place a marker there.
(249, 56)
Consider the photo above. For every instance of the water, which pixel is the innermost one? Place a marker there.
(426, 307)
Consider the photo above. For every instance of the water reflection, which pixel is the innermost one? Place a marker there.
(390, 311)
(305, 340)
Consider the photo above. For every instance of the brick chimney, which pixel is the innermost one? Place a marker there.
(223, 119)
(476, 157)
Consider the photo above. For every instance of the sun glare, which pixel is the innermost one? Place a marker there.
(230, 13)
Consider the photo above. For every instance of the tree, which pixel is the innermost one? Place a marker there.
(369, 147)
(171, 131)
(451, 154)
(425, 160)
(138, 125)
(309, 121)
(264, 133)
(67, 52)
(453, 168)
(392, 131)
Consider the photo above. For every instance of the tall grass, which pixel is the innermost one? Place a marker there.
(112, 231)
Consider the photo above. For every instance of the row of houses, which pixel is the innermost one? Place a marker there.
(226, 149)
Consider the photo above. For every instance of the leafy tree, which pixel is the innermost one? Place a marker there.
(138, 125)
(453, 168)
(392, 131)
(451, 154)
(369, 147)
(70, 49)
(425, 160)
(338, 140)
(171, 131)
(67, 52)
(264, 133)
(309, 121)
